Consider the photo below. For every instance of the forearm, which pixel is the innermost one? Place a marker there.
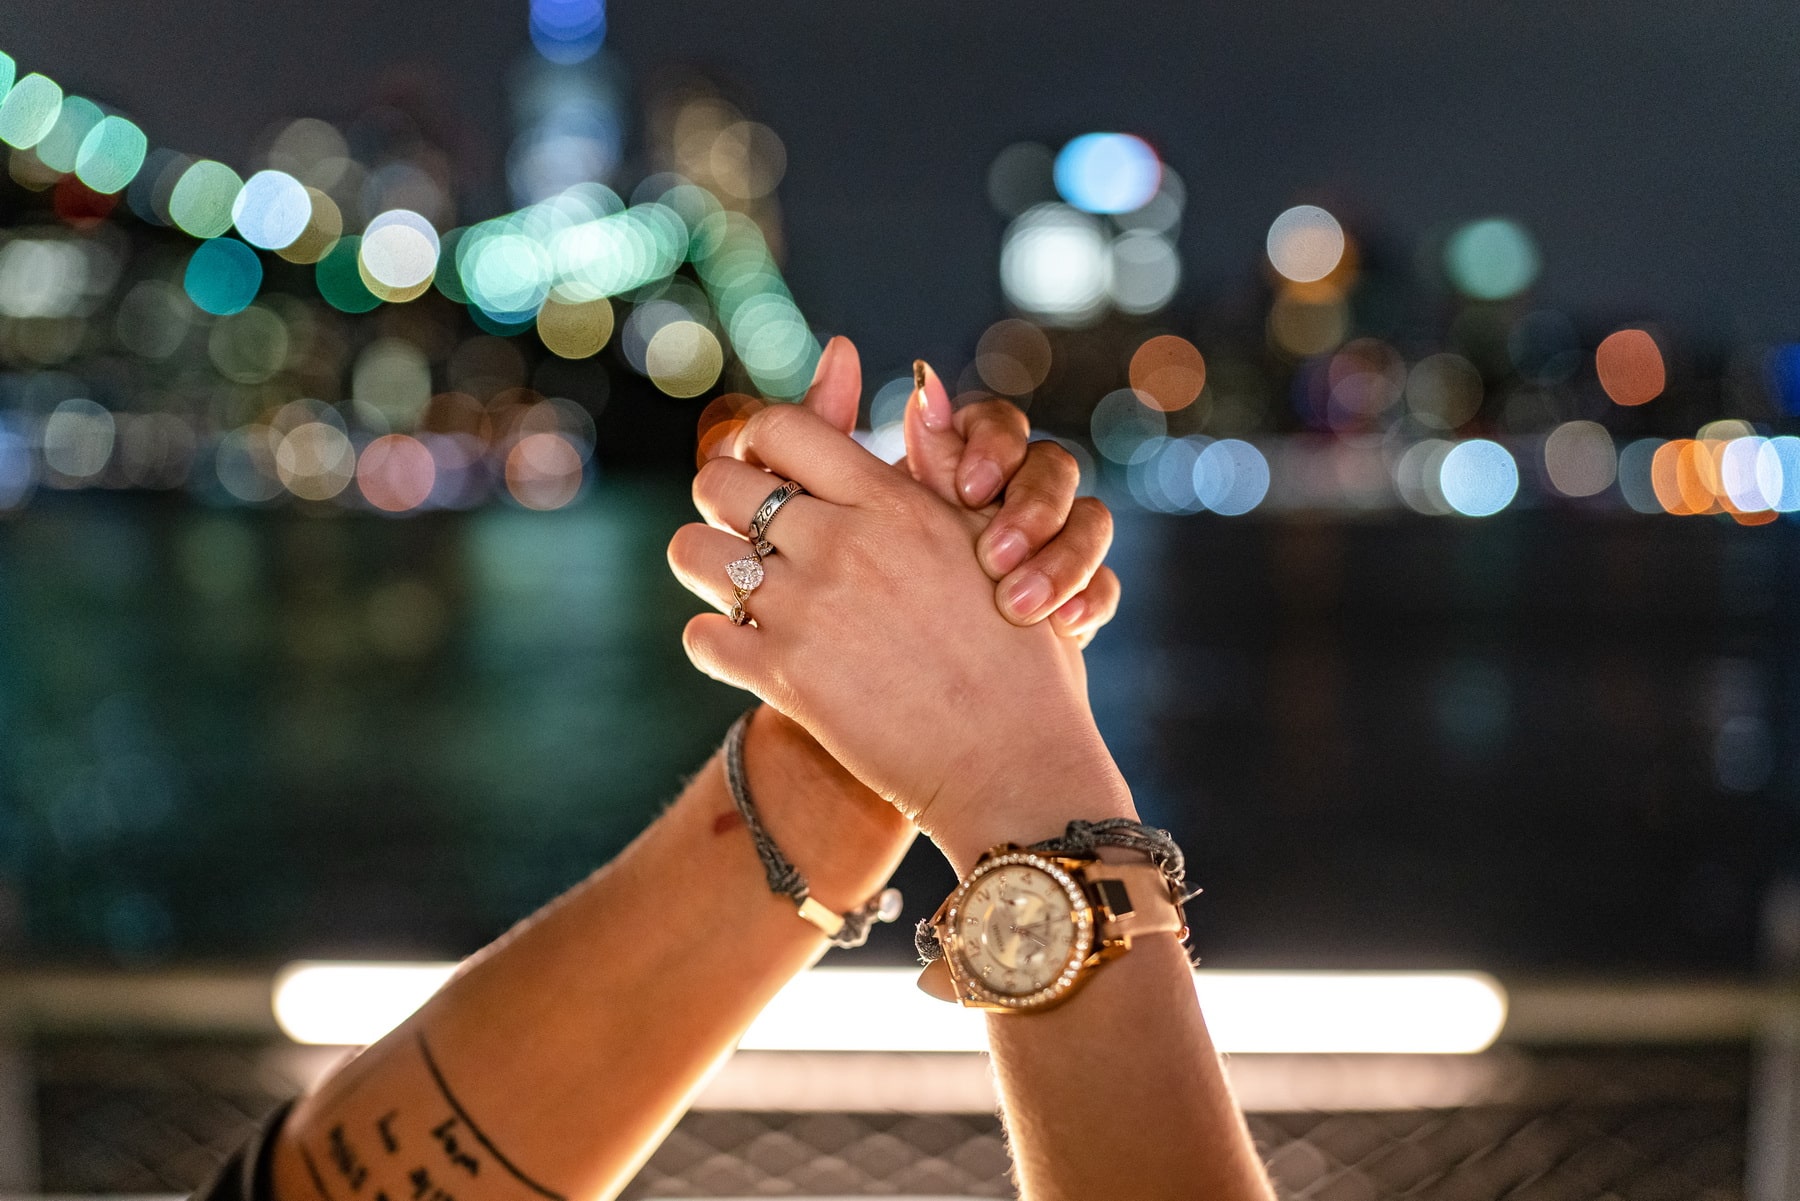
(1117, 1092)
(556, 1059)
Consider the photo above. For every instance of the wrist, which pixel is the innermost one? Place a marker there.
(1026, 798)
(844, 838)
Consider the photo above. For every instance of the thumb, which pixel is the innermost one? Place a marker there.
(933, 447)
(836, 388)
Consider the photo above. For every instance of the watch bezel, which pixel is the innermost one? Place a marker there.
(1081, 912)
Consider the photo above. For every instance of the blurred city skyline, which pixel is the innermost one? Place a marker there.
(1647, 158)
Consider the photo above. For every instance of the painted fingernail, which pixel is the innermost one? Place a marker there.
(934, 402)
(1070, 614)
(980, 482)
(1007, 551)
(1028, 594)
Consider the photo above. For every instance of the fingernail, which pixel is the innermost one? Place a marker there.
(1028, 594)
(826, 358)
(980, 482)
(1072, 613)
(1007, 551)
(934, 402)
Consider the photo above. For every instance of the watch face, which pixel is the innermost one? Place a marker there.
(1021, 930)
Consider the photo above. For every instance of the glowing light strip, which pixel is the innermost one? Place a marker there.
(881, 1009)
(114, 151)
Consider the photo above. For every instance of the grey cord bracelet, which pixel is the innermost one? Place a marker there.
(844, 930)
(1084, 838)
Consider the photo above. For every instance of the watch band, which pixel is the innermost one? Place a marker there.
(1135, 900)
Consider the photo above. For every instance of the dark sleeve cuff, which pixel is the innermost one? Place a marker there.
(245, 1176)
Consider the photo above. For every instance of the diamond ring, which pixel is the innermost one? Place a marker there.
(745, 575)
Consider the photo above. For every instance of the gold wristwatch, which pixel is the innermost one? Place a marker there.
(1025, 929)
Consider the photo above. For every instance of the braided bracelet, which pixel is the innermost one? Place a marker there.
(1084, 838)
(844, 930)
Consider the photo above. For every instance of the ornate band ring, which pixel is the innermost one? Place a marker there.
(765, 513)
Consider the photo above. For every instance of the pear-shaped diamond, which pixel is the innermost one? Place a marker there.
(745, 573)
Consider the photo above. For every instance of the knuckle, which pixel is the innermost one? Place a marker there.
(1094, 514)
(774, 423)
(1055, 461)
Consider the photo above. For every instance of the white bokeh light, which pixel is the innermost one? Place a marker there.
(1057, 263)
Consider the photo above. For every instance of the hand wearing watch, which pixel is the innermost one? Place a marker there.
(1026, 928)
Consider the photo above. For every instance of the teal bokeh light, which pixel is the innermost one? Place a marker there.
(29, 111)
(223, 276)
(110, 155)
(1493, 259)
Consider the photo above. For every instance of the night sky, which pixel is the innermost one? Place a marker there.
(1649, 146)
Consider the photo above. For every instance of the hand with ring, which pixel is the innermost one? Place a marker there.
(1042, 544)
(870, 634)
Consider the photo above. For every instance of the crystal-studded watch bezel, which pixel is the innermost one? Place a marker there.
(1081, 912)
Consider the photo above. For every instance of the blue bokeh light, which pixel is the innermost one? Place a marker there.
(1108, 173)
(1478, 478)
(568, 31)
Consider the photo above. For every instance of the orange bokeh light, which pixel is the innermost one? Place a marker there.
(1168, 372)
(1630, 365)
(723, 417)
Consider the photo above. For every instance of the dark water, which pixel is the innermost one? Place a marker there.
(1537, 741)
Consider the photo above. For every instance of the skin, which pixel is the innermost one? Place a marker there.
(879, 634)
(559, 1056)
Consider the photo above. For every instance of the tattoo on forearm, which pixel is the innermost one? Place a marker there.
(466, 1155)
(424, 1151)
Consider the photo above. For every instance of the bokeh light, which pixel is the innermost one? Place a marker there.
(223, 276)
(111, 155)
(339, 278)
(78, 440)
(575, 329)
(272, 210)
(1022, 175)
(395, 473)
(1630, 367)
(1146, 271)
(1056, 263)
(1305, 244)
(248, 347)
(1124, 427)
(1107, 172)
(315, 460)
(1012, 357)
(1492, 259)
(61, 147)
(1443, 391)
(324, 226)
(1305, 326)
(1478, 478)
(1231, 477)
(1579, 458)
(684, 358)
(29, 112)
(543, 471)
(398, 255)
(568, 31)
(1168, 371)
(200, 204)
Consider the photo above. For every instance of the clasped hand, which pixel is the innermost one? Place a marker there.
(880, 626)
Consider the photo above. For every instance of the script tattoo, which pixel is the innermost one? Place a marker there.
(445, 1133)
(385, 1124)
(344, 1157)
